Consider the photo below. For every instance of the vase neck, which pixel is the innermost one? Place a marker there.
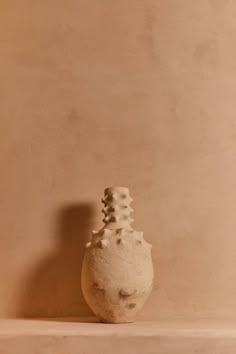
(117, 208)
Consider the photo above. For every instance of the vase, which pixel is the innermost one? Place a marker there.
(117, 271)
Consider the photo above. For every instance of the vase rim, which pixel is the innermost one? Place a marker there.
(116, 188)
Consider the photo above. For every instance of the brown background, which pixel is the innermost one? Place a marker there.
(134, 93)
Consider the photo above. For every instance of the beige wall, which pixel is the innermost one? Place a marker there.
(135, 93)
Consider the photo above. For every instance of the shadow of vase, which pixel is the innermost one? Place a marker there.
(53, 289)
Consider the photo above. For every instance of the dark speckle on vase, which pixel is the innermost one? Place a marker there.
(131, 305)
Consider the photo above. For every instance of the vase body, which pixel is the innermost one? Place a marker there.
(117, 272)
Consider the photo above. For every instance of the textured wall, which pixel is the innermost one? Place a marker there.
(131, 92)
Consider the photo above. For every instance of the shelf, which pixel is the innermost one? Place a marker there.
(87, 336)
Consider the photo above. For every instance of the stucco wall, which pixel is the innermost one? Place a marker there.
(134, 93)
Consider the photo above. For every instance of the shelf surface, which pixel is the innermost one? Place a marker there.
(92, 327)
(88, 336)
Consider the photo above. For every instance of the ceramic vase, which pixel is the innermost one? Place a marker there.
(117, 272)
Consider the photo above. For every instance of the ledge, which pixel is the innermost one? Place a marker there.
(87, 336)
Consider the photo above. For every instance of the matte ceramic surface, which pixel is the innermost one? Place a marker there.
(117, 273)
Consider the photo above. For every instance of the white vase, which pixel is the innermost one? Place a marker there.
(117, 272)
